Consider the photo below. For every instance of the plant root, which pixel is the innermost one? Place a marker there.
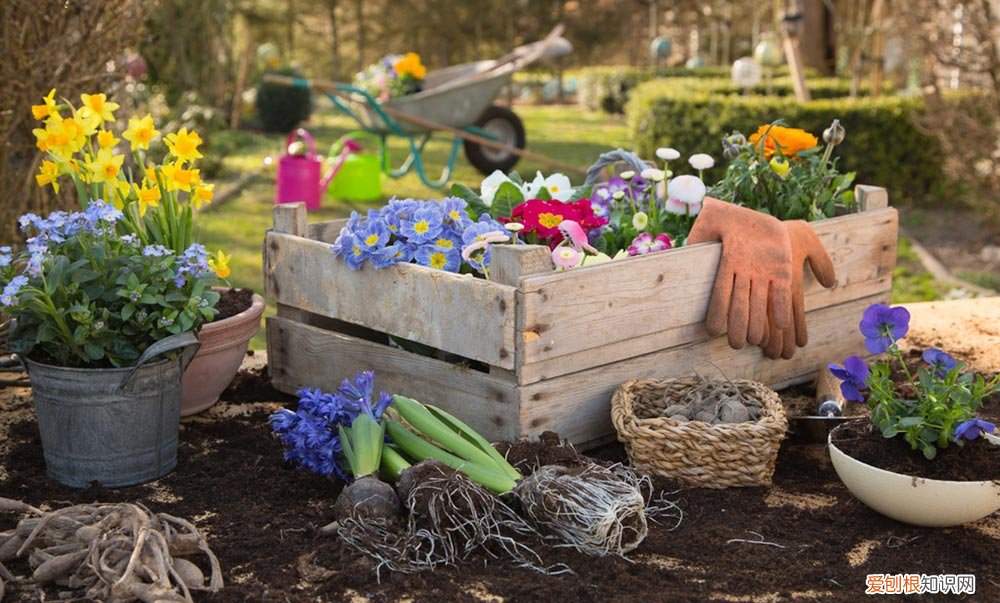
(450, 517)
(591, 509)
(120, 552)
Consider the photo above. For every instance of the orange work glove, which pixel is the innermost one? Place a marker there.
(806, 247)
(755, 272)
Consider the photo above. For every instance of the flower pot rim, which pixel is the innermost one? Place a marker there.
(949, 482)
(257, 305)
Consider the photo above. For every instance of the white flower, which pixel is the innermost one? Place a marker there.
(530, 189)
(514, 226)
(653, 174)
(640, 220)
(701, 161)
(627, 175)
(667, 154)
(490, 185)
(559, 187)
(684, 195)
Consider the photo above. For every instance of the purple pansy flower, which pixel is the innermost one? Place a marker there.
(940, 361)
(883, 326)
(971, 428)
(852, 376)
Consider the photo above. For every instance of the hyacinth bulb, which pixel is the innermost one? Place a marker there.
(834, 134)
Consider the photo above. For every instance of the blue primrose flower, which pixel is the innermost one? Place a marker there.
(883, 326)
(425, 224)
(940, 361)
(475, 231)
(971, 428)
(373, 235)
(392, 254)
(432, 257)
(349, 248)
(454, 210)
(852, 376)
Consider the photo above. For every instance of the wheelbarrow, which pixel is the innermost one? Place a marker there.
(457, 100)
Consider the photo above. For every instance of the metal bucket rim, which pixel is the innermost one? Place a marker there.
(111, 370)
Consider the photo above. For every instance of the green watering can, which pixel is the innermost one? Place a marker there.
(359, 177)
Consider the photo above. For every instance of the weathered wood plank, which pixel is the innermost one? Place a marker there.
(577, 406)
(300, 355)
(290, 218)
(511, 262)
(326, 232)
(870, 198)
(470, 317)
(592, 316)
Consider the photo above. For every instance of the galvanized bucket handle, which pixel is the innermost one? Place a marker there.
(187, 342)
(612, 157)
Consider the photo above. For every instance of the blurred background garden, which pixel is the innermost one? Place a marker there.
(915, 83)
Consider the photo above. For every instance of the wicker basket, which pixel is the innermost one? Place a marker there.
(695, 452)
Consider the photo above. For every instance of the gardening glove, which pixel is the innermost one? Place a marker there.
(806, 247)
(754, 275)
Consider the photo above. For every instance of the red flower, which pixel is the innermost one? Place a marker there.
(543, 217)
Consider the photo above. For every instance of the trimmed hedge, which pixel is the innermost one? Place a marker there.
(607, 88)
(882, 144)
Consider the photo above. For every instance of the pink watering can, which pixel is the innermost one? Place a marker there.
(299, 175)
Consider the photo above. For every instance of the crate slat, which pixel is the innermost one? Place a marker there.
(578, 405)
(591, 316)
(463, 315)
(301, 355)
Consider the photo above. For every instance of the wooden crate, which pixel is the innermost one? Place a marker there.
(544, 350)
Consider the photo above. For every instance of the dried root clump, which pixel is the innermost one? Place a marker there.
(119, 552)
(591, 508)
(449, 518)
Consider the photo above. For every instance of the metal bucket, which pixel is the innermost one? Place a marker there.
(117, 427)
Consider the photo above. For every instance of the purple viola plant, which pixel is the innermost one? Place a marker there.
(310, 433)
(936, 409)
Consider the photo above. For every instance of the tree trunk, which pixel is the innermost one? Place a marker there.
(359, 16)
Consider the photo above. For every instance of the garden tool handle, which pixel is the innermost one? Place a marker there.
(187, 342)
(828, 387)
(610, 158)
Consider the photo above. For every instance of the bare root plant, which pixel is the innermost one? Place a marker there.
(101, 552)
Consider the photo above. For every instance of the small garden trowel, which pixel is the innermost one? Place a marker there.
(829, 412)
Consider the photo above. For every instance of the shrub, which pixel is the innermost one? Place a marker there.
(607, 88)
(882, 145)
(281, 108)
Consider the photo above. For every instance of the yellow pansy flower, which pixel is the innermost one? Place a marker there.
(99, 106)
(202, 194)
(220, 264)
(184, 145)
(105, 166)
(48, 174)
(106, 139)
(40, 112)
(148, 196)
(140, 132)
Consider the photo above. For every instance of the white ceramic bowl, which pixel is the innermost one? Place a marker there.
(914, 500)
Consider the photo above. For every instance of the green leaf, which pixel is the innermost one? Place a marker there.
(508, 197)
(476, 206)
(516, 178)
(543, 194)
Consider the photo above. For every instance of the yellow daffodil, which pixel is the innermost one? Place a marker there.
(151, 175)
(105, 166)
(118, 191)
(99, 105)
(87, 121)
(148, 196)
(177, 178)
(61, 137)
(106, 139)
(140, 132)
(48, 174)
(40, 112)
(220, 264)
(184, 145)
(202, 194)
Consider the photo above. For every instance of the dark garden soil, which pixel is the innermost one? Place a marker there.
(262, 517)
(232, 302)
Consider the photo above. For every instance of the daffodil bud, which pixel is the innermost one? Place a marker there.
(834, 134)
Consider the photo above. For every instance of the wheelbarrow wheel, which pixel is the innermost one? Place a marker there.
(506, 126)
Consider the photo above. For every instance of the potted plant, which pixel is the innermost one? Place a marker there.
(919, 458)
(105, 327)
(157, 189)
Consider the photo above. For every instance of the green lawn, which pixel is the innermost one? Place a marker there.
(568, 134)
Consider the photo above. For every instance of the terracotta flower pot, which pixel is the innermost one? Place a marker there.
(915, 500)
(223, 346)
